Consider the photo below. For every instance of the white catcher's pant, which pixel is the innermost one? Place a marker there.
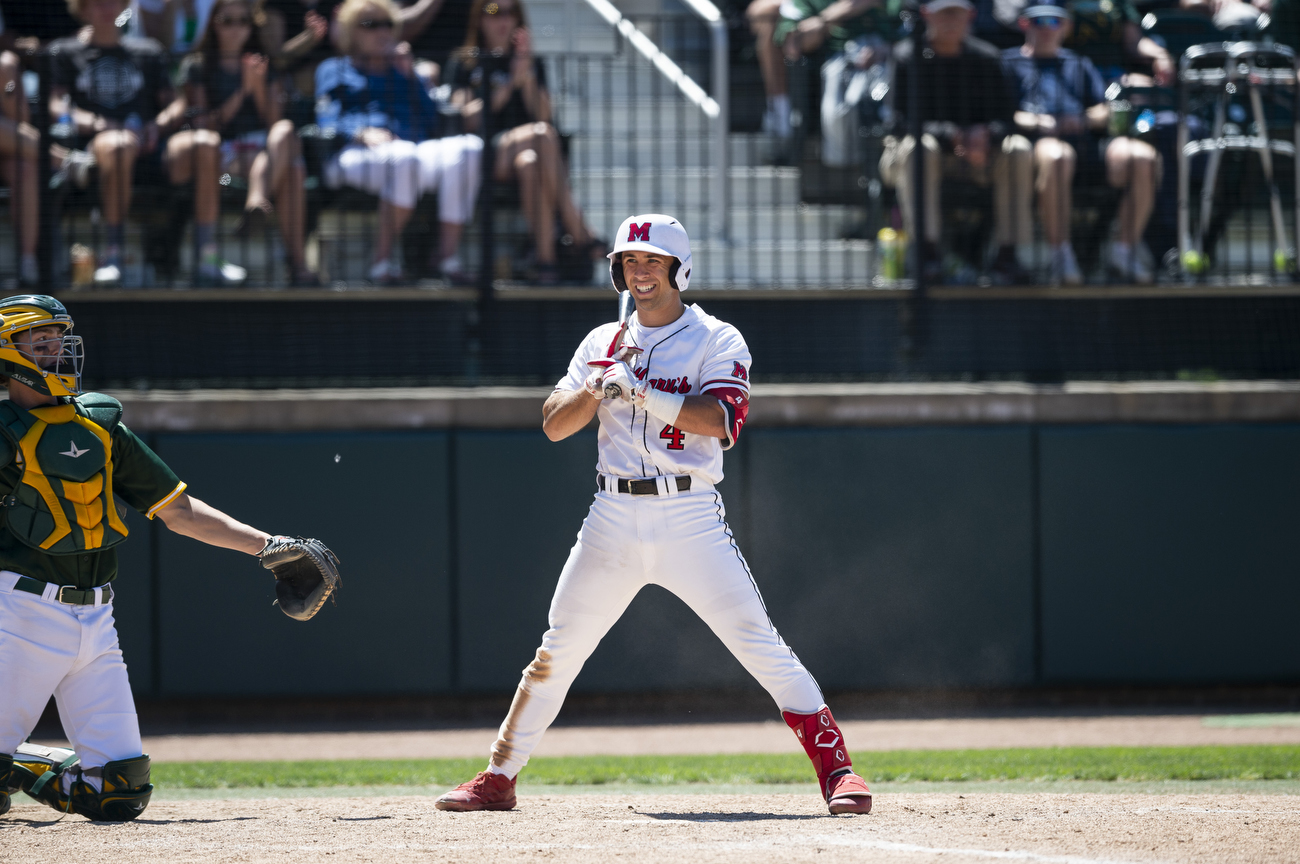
(680, 542)
(71, 652)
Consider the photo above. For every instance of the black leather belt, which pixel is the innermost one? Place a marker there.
(67, 594)
(642, 487)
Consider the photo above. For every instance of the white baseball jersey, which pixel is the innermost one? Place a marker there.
(695, 354)
(676, 538)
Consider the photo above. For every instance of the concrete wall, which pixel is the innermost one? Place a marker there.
(982, 555)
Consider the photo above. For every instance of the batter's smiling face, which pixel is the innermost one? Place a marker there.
(646, 274)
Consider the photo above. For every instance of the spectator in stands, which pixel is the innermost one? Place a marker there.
(373, 97)
(20, 147)
(967, 108)
(1063, 108)
(1109, 33)
(231, 91)
(856, 34)
(498, 46)
(435, 29)
(25, 26)
(785, 30)
(117, 95)
(298, 38)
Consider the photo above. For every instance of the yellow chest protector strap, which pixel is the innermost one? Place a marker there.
(91, 500)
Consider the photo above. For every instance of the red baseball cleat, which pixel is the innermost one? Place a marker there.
(848, 793)
(487, 791)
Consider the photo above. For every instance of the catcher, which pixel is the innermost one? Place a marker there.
(64, 455)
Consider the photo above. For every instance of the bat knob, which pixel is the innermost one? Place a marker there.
(613, 391)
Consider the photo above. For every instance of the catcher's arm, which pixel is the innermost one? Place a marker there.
(189, 516)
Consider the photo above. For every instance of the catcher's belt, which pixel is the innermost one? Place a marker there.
(67, 593)
(63, 504)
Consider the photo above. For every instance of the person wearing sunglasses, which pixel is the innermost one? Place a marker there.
(1063, 108)
(527, 146)
(230, 90)
(373, 98)
(119, 97)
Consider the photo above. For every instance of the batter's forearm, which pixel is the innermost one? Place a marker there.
(192, 518)
(567, 412)
(703, 415)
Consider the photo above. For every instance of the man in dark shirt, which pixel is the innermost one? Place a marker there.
(966, 107)
(1063, 108)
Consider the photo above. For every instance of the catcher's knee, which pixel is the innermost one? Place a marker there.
(54, 777)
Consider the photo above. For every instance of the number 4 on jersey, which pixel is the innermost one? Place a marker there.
(675, 437)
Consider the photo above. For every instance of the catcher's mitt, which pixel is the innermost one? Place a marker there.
(306, 572)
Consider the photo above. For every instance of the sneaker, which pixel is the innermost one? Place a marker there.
(1006, 269)
(487, 791)
(385, 272)
(215, 270)
(1132, 263)
(1065, 267)
(848, 793)
(108, 276)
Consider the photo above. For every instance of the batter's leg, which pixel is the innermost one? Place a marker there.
(604, 572)
(705, 569)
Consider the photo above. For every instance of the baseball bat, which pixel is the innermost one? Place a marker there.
(626, 306)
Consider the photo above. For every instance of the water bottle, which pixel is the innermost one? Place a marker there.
(1146, 121)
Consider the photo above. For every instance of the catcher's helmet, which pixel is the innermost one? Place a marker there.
(652, 232)
(60, 373)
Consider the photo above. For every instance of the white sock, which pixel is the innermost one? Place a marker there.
(492, 769)
(781, 114)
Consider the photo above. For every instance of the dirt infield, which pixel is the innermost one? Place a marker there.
(769, 737)
(912, 828)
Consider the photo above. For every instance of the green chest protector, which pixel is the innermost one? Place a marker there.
(63, 503)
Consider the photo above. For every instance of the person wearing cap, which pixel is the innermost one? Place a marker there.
(1063, 108)
(967, 107)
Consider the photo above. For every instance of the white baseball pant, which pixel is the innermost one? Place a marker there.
(679, 541)
(400, 172)
(71, 652)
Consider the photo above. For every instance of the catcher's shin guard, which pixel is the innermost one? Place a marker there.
(822, 740)
(125, 794)
(6, 768)
(39, 771)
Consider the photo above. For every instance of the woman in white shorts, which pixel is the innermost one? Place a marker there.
(372, 96)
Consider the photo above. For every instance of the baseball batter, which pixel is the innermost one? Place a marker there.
(671, 393)
(64, 454)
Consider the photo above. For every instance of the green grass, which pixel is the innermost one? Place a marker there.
(1056, 763)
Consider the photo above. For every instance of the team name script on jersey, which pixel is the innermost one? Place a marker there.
(698, 355)
(667, 385)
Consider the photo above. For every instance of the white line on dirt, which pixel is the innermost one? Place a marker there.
(1009, 854)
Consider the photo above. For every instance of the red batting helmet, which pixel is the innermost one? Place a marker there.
(652, 232)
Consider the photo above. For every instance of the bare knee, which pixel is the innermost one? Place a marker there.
(526, 163)
(281, 135)
(112, 149)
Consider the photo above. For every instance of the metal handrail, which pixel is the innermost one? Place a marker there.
(716, 108)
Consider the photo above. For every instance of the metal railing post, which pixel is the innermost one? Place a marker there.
(721, 209)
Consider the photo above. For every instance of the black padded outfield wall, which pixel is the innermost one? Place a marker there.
(273, 343)
(968, 557)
